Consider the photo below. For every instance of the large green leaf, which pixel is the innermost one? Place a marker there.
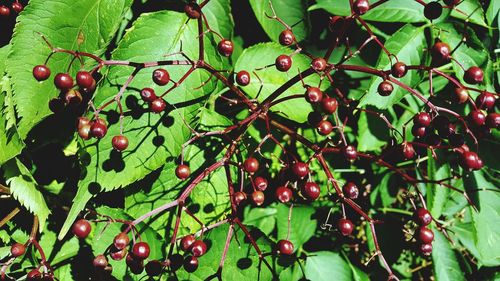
(64, 24)
(470, 10)
(407, 44)
(436, 194)
(446, 267)
(331, 266)
(302, 226)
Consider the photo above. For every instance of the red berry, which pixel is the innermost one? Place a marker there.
(285, 247)
(314, 94)
(186, 242)
(422, 119)
(474, 75)
(158, 105)
(154, 268)
(118, 255)
(351, 191)
(73, 98)
(63, 81)
(477, 118)
(17, 250)
(300, 169)
(258, 197)
(82, 121)
(319, 64)
(34, 275)
(81, 228)
(286, 37)
(190, 264)
(284, 194)
(350, 153)
(225, 47)
(148, 95)
(493, 120)
(174, 262)
(121, 241)
(182, 171)
(120, 142)
(461, 95)
(100, 261)
(324, 127)
(399, 70)
(385, 88)
(441, 52)
(192, 10)
(283, 63)
(345, 227)
(99, 128)
(41, 72)
(361, 7)
(260, 183)
(433, 10)
(485, 101)
(84, 79)
(17, 7)
(251, 165)
(470, 161)
(425, 235)
(84, 132)
(239, 197)
(329, 105)
(418, 131)
(423, 217)
(311, 190)
(135, 265)
(4, 11)
(407, 150)
(161, 77)
(243, 78)
(426, 249)
(141, 250)
(198, 248)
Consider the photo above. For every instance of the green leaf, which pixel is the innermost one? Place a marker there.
(302, 226)
(63, 23)
(470, 10)
(372, 133)
(323, 266)
(262, 218)
(290, 11)
(64, 250)
(390, 11)
(23, 188)
(407, 44)
(436, 194)
(264, 54)
(492, 13)
(445, 264)
(218, 14)
(10, 143)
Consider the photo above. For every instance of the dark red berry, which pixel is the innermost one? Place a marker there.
(63, 81)
(399, 70)
(175, 262)
(441, 52)
(135, 265)
(120, 142)
(314, 94)
(182, 171)
(154, 268)
(34, 275)
(425, 235)
(99, 128)
(243, 78)
(251, 165)
(81, 228)
(83, 121)
(418, 131)
(477, 118)
(286, 37)
(186, 242)
(17, 7)
(100, 261)
(284, 194)
(118, 255)
(141, 250)
(485, 101)
(148, 95)
(319, 64)
(225, 47)
(329, 105)
(385, 88)
(17, 250)
(345, 227)
(239, 197)
(192, 10)
(285, 247)
(260, 183)
(198, 248)
(84, 131)
(493, 120)
(73, 98)
(351, 191)
(258, 197)
(474, 75)
(324, 127)
(41, 72)
(311, 190)
(470, 160)
(361, 7)
(350, 152)
(190, 264)
(433, 10)
(158, 105)
(461, 95)
(426, 249)
(300, 169)
(407, 150)
(121, 240)
(4, 11)
(84, 79)
(423, 217)
(422, 119)
(283, 63)
(161, 77)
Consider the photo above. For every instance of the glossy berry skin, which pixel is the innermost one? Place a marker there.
(34, 275)
(17, 7)
(118, 255)
(329, 105)
(433, 10)
(4, 11)
(485, 101)
(199, 248)
(385, 88)
(98, 129)
(422, 119)
(182, 171)
(350, 153)
(239, 197)
(192, 10)
(186, 242)
(158, 105)
(418, 132)
(345, 227)
(399, 70)
(319, 64)
(493, 120)
(154, 268)
(351, 191)
(17, 250)
(407, 150)
(251, 165)
(300, 169)
(190, 264)
(73, 98)
(81, 228)
(324, 127)
(161, 77)
(423, 217)
(361, 7)
(141, 250)
(474, 75)
(425, 235)
(84, 79)
(426, 249)
(83, 121)
(285, 247)
(121, 240)
(477, 118)
(470, 160)
(120, 142)
(258, 197)
(441, 52)
(41, 72)
(284, 194)
(148, 95)
(286, 37)
(260, 183)
(243, 78)
(225, 47)
(100, 261)
(63, 81)
(84, 132)
(283, 63)
(461, 95)
(314, 94)
(311, 191)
